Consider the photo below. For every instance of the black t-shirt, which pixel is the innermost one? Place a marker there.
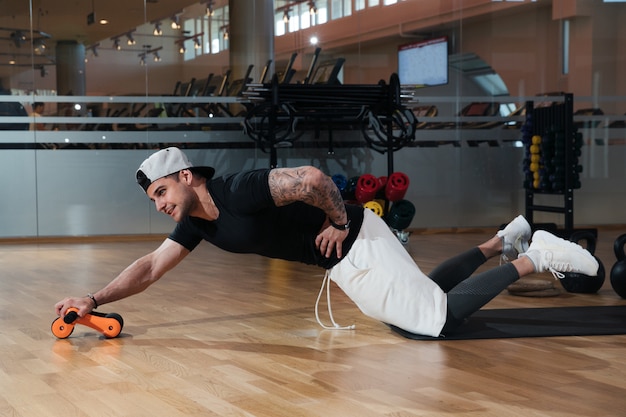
(250, 222)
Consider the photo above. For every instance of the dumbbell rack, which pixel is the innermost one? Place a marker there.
(556, 117)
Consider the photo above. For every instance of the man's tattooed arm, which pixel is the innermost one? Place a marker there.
(309, 185)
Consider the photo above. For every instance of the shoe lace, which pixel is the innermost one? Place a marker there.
(335, 326)
(556, 268)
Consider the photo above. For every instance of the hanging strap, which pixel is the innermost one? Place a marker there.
(335, 326)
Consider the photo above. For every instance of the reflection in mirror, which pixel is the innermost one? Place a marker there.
(120, 77)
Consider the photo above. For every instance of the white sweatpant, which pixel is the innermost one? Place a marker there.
(382, 279)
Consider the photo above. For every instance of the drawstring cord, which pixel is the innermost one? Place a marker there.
(335, 326)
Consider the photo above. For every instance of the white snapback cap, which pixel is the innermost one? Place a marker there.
(165, 162)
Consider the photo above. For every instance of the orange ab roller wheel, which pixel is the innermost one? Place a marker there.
(110, 325)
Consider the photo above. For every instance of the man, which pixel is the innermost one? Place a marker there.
(38, 109)
(297, 214)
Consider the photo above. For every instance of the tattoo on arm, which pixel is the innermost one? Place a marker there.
(309, 185)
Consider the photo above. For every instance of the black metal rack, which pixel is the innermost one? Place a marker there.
(280, 112)
(556, 172)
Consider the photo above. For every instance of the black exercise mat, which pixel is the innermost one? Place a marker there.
(535, 322)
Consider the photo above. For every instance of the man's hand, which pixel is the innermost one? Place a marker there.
(313, 187)
(83, 304)
(330, 239)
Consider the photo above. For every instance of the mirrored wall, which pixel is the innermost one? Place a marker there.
(89, 89)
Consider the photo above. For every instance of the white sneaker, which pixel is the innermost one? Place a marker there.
(556, 255)
(515, 238)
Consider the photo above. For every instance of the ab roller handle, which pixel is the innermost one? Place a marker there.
(110, 325)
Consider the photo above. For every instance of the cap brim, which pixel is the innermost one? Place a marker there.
(206, 172)
(144, 182)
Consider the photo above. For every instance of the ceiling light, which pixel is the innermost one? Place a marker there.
(175, 23)
(18, 37)
(104, 22)
(116, 44)
(286, 16)
(157, 29)
(157, 57)
(131, 40)
(210, 11)
(39, 47)
(224, 28)
(196, 43)
(182, 49)
(94, 49)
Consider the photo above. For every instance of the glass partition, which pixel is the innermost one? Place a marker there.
(120, 79)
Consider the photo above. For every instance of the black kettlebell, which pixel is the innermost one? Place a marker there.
(576, 282)
(618, 272)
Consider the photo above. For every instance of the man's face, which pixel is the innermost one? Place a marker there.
(172, 196)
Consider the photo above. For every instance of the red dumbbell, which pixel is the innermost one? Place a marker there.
(110, 325)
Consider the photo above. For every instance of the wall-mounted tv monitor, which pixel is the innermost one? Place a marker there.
(424, 64)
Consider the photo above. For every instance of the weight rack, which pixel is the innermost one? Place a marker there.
(554, 122)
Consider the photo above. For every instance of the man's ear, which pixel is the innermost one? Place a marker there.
(185, 176)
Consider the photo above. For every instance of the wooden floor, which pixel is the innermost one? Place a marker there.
(235, 335)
